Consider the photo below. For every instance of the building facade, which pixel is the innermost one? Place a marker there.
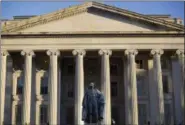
(136, 60)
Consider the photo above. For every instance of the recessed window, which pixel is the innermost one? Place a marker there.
(165, 63)
(20, 83)
(43, 114)
(115, 114)
(139, 64)
(70, 69)
(18, 114)
(141, 86)
(114, 88)
(168, 114)
(44, 85)
(142, 113)
(70, 92)
(165, 84)
(70, 116)
(114, 69)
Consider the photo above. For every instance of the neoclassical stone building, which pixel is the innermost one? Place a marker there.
(136, 60)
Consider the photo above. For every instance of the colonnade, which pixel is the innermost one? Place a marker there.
(131, 105)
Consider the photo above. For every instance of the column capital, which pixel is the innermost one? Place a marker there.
(15, 98)
(180, 52)
(40, 72)
(131, 52)
(39, 98)
(27, 53)
(79, 52)
(105, 52)
(17, 73)
(157, 52)
(53, 53)
(4, 53)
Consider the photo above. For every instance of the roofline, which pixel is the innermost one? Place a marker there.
(83, 8)
(143, 17)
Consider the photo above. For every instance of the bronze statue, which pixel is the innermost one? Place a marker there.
(93, 105)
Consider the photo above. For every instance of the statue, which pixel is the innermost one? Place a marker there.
(93, 105)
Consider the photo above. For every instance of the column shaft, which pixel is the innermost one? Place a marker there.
(27, 86)
(127, 90)
(180, 54)
(79, 85)
(131, 94)
(159, 103)
(133, 81)
(16, 74)
(53, 93)
(3, 64)
(39, 76)
(105, 84)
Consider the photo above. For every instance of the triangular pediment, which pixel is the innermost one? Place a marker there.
(92, 16)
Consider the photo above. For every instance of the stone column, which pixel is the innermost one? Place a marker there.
(37, 113)
(3, 64)
(79, 85)
(14, 100)
(152, 93)
(180, 54)
(39, 100)
(105, 83)
(158, 87)
(53, 87)
(131, 95)
(27, 85)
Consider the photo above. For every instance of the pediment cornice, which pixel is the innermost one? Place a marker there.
(60, 14)
(93, 34)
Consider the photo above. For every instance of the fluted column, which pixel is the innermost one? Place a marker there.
(28, 54)
(180, 54)
(53, 87)
(158, 87)
(79, 85)
(39, 75)
(131, 96)
(105, 83)
(3, 64)
(16, 75)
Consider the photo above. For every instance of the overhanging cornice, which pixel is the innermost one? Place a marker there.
(92, 33)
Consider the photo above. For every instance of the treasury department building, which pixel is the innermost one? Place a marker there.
(135, 60)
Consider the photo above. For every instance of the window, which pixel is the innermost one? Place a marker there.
(114, 89)
(44, 85)
(139, 64)
(92, 70)
(115, 114)
(141, 86)
(142, 114)
(114, 69)
(70, 92)
(70, 69)
(18, 114)
(165, 84)
(20, 82)
(43, 114)
(70, 116)
(165, 63)
(168, 114)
